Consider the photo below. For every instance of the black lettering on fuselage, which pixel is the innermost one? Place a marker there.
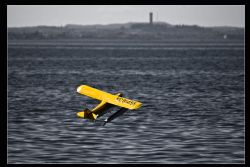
(123, 100)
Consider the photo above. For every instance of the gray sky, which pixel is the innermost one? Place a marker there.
(58, 15)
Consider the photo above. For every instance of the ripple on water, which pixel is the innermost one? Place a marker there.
(193, 106)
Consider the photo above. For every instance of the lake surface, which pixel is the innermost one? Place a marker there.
(193, 104)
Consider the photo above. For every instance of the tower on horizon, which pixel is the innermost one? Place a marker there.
(151, 18)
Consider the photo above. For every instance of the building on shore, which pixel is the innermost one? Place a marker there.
(151, 18)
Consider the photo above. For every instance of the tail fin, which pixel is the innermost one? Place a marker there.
(87, 114)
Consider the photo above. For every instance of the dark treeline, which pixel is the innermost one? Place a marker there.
(161, 31)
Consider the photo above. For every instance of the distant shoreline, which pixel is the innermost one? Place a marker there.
(128, 31)
(126, 44)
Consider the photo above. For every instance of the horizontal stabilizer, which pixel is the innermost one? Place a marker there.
(87, 114)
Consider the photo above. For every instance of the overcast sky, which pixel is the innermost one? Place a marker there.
(59, 15)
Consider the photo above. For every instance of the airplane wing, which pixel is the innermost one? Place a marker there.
(109, 98)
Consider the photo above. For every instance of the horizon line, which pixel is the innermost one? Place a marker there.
(79, 24)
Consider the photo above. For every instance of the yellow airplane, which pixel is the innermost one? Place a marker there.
(107, 102)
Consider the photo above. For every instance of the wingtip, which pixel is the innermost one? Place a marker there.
(104, 123)
(140, 104)
(79, 88)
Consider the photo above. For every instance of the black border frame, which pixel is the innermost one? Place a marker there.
(3, 112)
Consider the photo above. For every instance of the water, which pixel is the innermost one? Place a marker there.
(193, 105)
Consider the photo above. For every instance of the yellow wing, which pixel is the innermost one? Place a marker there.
(109, 98)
